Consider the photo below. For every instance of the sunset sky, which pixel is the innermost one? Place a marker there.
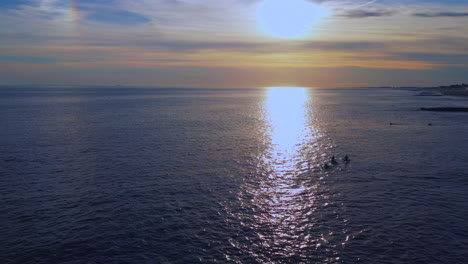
(234, 43)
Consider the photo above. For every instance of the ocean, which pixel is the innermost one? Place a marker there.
(184, 176)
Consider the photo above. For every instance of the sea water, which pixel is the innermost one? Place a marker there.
(132, 175)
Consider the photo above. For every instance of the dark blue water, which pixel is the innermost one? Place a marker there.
(231, 176)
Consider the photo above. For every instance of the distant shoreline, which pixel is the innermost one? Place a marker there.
(455, 90)
(452, 90)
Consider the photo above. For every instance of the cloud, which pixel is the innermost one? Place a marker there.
(360, 13)
(439, 58)
(45, 60)
(24, 59)
(441, 14)
(12, 4)
(118, 17)
(344, 45)
(235, 77)
(250, 47)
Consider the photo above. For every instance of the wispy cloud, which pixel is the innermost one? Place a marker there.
(46, 60)
(12, 4)
(360, 13)
(118, 17)
(24, 59)
(441, 14)
(454, 59)
(249, 47)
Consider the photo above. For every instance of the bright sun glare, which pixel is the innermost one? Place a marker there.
(288, 18)
(287, 114)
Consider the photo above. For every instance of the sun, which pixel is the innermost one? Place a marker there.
(288, 18)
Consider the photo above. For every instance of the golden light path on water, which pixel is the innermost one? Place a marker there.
(287, 117)
(285, 108)
(281, 202)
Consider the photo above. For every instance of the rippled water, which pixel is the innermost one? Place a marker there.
(232, 176)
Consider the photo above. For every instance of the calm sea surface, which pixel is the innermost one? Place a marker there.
(190, 176)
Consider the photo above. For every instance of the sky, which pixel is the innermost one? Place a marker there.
(234, 43)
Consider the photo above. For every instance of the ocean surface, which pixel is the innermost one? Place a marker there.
(185, 176)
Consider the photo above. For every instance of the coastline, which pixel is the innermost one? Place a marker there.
(452, 90)
(447, 90)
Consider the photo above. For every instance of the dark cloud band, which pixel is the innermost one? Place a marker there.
(441, 14)
(358, 13)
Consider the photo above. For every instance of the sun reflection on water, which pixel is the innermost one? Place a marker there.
(286, 115)
(280, 215)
